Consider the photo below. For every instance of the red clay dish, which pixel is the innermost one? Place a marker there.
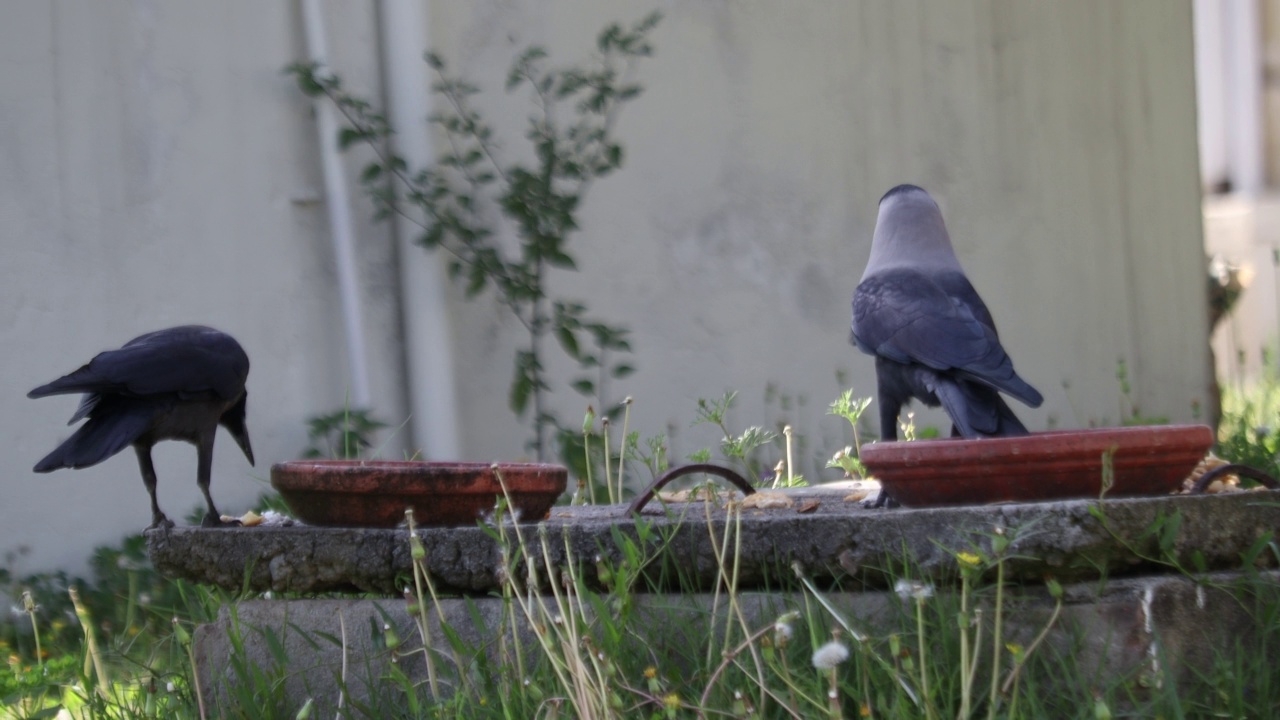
(375, 493)
(1147, 460)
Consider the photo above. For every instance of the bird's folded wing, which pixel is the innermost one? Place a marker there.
(905, 316)
(184, 369)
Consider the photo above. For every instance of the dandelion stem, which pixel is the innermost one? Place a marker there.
(622, 451)
(786, 431)
(1026, 654)
(608, 461)
(91, 640)
(995, 644)
(415, 545)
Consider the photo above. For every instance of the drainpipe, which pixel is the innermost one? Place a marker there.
(338, 203)
(427, 338)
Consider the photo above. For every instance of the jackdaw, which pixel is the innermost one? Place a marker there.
(932, 337)
(175, 384)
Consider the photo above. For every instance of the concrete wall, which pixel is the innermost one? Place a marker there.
(159, 169)
(1058, 137)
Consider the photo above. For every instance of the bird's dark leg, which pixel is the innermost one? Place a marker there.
(888, 421)
(890, 397)
(158, 518)
(890, 406)
(204, 473)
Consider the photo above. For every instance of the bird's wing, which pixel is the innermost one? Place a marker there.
(908, 317)
(185, 362)
(104, 435)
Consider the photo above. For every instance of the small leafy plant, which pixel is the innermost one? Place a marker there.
(343, 434)
(459, 202)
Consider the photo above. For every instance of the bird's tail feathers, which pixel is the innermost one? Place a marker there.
(1022, 390)
(97, 440)
(1012, 385)
(1010, 425)
(978, 410)
(82, 380)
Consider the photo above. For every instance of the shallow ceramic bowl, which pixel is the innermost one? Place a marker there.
(1150, 460)
(375, 493)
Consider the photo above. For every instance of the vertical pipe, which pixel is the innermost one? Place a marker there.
(338, 204)
(428, 342)
(1244, 60)
(1211, 91)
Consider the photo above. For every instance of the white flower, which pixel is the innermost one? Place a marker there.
(914, 590)
(169, 687)
(782, 632)
(830, 655)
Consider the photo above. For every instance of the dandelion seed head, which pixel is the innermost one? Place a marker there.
(830, 655)
(913, 590)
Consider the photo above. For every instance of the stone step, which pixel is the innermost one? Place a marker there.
(1148, 630)
(829, 537)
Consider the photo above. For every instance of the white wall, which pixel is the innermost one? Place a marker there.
(158, 170)
(155, 155)
(1058, 137)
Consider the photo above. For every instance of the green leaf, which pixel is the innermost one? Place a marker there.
(584, 386)
(621, 371)
(371, 172)
(434, 236)
(348, 136)
(521, 388)
(557, 258)
(568, 340)
(614, 155)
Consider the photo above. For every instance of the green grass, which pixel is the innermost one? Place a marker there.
(611, 651)
(607, 644)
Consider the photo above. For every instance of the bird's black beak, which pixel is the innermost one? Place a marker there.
(233, 421)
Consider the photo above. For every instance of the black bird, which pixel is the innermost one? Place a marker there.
(175, 384)
(932, 336)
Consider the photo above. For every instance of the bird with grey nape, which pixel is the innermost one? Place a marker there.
(932, 336)
(175, 384)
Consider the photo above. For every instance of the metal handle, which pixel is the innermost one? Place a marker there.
(708, 468)
(1233, 469)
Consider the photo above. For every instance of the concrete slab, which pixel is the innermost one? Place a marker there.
(1160, 628)
(831, 539)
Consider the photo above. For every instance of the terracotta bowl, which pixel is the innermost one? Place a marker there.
(1149, 460)
(375, 493)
